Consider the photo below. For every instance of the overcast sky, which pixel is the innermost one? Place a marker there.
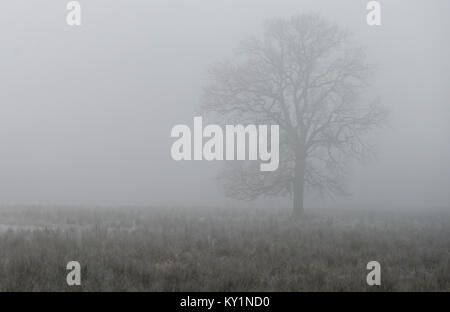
(86, 112)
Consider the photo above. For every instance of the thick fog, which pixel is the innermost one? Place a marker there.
(86, 112)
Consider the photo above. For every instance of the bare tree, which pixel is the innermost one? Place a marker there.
(304, 75)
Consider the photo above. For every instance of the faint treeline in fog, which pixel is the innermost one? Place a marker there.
(221, 250)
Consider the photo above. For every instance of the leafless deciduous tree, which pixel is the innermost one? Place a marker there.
(305, 75)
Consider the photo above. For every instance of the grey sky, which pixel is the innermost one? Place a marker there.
(86, 113)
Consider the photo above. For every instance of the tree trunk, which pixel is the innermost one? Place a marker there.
(299, 187)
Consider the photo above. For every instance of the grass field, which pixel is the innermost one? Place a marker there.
(131, 249)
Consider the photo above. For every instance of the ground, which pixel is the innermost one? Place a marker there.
(229, 249)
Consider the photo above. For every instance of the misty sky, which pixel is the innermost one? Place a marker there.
(86, 113)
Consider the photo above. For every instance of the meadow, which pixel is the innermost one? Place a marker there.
(176, 249)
